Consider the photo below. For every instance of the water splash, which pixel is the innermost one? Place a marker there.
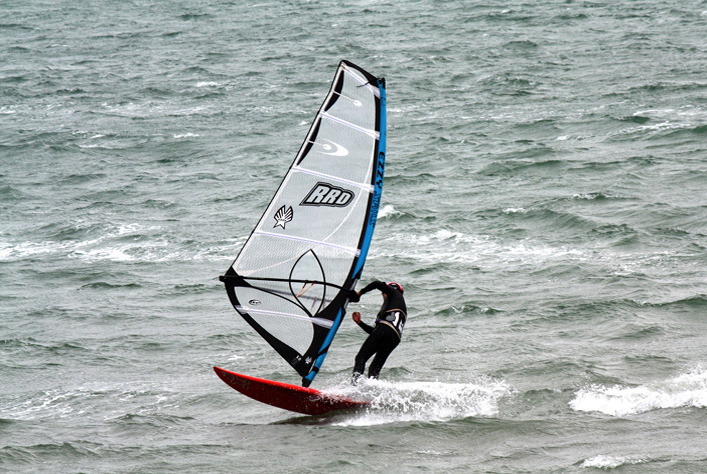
(423, 401)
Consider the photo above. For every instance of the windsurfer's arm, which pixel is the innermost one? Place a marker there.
(374, 285)
(357, 319)
(355, 296)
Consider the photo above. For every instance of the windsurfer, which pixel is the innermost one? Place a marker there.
(385, 335)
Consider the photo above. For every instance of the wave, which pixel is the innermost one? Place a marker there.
(515, 166)
(472, 251)
(521, 45)
(553, 219)
(423, 401)
(466, 308)
(684, 391)
(47, 404)
(636, 118)
(31, 353)
(117, 401)
(688, 130)
(103, 285)
(195, 16)
(11, 194)
(663, 123)
(388, 211)
(37, 454)
(600, 196)
(611, 462)
(696, 302)
(127, 242)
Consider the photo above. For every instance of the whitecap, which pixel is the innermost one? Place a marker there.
(686, 390)
(18, 251)
(610, 462)
(444, 245)
(388, 211)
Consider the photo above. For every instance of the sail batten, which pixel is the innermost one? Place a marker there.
(321, 322)
(364, 186)
(292, 278)
(354, 251)
(370, 133)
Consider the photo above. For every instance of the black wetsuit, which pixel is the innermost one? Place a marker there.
(386, 334)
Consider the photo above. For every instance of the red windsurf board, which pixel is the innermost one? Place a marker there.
(287, 396)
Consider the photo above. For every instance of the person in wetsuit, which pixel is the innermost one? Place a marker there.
(385, 335)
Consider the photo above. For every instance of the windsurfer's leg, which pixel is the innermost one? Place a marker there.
(387, 342)
(367, 350)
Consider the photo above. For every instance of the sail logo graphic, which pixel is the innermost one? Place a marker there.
(335, 150)
(325, 194)
(283, 216)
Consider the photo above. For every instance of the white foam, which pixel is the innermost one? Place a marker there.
(671, 114)
(123, 253)
(49, 404)
(388, 211)
(18, 251)
(686, 390)
(423, 401)
(669, 119)
(102, 247)
(594, 196)
(610, 462)
(445, 246)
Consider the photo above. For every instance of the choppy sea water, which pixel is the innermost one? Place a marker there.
(544, 208)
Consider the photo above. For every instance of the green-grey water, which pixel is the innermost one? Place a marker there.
(544, 207)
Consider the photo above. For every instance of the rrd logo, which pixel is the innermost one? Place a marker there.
(325, 194)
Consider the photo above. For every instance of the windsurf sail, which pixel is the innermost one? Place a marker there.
(292, 278)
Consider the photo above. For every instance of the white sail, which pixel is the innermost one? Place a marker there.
(292, 278)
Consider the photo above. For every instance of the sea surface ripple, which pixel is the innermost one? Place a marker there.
(544, 207)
